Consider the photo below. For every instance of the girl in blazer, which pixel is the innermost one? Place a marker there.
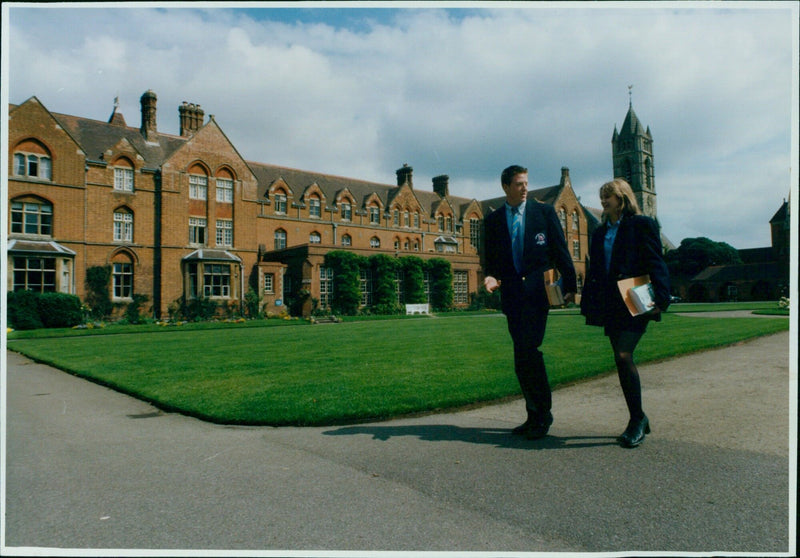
(627, 244)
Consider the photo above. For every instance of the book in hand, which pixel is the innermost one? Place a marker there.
(554, 295)
(637, 292)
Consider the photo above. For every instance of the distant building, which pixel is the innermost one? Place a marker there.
(762, 275)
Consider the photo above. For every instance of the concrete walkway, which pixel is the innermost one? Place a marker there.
(89, 468)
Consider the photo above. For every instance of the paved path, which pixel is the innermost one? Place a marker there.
(89, 468)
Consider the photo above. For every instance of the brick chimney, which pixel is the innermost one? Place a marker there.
(440, 185)
(191, 117)
(565, 181)
(405, 176)
(149, 129)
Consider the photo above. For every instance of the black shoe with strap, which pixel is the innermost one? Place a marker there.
(634, 434)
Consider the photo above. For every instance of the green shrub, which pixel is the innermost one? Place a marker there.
(198, 309)
(59, 309)
(441, 284)
(133, 311)
(98, 297)
(23, 312)
(384, 293)
(346, 268)
(414, 280)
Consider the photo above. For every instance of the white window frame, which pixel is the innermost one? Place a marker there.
(280, 239)
(123, 179)
(347, 211)
(198, 187)
(224, 190)
(198, 229)
(122, 280)
(123, 226)
(280, 203)
(224, 232)
(315, 208)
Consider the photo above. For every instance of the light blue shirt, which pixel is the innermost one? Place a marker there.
(608, 245)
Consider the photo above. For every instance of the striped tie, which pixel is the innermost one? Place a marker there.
(516, 238)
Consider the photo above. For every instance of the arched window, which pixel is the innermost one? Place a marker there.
(122, 276)
(575, 220)
(374, 215)
(32, 160)
(198, 183)
(374, 242)
(280, 239)
(562, 217)
(123, 225)
(314, 207)
(280, 201)
(123, 175)
(224, 180)
(315, 238)
(347, 240)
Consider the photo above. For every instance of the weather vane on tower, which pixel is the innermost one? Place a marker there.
(630, 95)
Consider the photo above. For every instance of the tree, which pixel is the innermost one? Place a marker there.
(441, 274)
(696, 254)
(346, 268)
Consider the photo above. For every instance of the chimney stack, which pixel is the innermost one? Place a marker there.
(405, 176)
(440, 185)
(565, 181)
(191, 118)
(148, 102)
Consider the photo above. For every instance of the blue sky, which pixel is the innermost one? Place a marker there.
(360, 91)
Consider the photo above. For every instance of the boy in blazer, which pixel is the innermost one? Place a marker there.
(523, 239)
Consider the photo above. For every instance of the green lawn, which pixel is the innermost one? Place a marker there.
(352, 371)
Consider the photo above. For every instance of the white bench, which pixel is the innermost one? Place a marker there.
(417, 309)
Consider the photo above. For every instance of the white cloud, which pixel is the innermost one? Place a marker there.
(458, 92)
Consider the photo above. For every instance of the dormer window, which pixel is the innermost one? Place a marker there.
(314, 208)
(280, 202)
(123, 176)
(347, 211)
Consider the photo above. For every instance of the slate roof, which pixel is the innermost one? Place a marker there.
(331, 185)
(38, 247)
(739, 272)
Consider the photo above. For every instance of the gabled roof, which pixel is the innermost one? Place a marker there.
(298, 180)
(95, 137)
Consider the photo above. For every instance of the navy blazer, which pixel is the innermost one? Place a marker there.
(544, 247)
(636, 251)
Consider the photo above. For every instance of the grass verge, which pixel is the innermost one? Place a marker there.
(355, 371)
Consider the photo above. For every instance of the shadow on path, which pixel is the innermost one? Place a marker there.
(492, 436)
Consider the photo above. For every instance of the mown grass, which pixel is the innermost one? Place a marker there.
(355, 371)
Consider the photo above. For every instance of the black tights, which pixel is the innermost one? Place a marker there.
(624, 343)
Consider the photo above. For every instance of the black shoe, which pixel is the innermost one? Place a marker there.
(524, 427)
(634, 434)
(539, 429)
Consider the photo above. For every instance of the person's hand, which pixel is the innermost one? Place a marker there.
(569, 298)
(491, 284)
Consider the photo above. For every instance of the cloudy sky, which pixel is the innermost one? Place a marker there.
(456, 89)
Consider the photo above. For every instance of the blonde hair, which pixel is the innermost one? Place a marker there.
(622, 190)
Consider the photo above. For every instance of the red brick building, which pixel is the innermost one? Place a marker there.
(185, 216)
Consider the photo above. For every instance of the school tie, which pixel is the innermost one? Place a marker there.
(516, 237)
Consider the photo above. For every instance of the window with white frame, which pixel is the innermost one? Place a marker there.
(374, 242)
(325, 286)
(314, 208)
(574, 220)
(440, 222)
(374, 215)
(347, 240)
(474, 232)
(224, 190)
(365, 280)
(197, 230)
(123, 179)
(562, 217)
(280, 239)
(224, 232)
(198, 187)
(460, 287)
(269, 283)
(314, 238)
(33, 166)
(123, 226)
(280, 202)
(29, 217)
(576, 249)
(122, 280)
(347, 211)
(406, 219)
(416, 220)
(217, 280)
